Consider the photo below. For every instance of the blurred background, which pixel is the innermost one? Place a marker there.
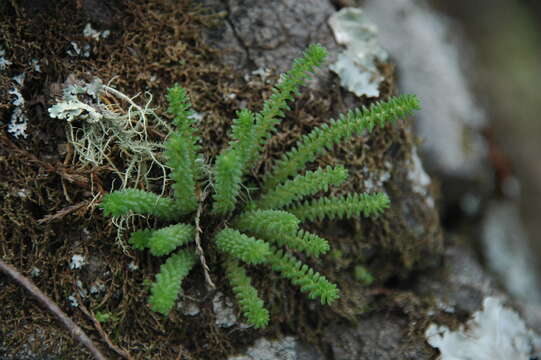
(505, 39)
(505, 50)
(476, 65)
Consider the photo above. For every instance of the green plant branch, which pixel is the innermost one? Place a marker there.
(261, 231)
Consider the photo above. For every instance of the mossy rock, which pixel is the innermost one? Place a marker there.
(46, 218)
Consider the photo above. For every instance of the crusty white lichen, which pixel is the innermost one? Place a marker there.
(356, 66)
(74, 109)
(419, 179)
(95, 34)
(77, 261)
(286, 348)
(18, 121)
(426, 48)
(495, 333)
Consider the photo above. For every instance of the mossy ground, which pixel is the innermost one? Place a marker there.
(47, 214)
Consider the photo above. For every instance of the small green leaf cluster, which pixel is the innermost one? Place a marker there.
(265, 231)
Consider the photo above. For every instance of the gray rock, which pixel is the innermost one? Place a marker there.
(287, 348)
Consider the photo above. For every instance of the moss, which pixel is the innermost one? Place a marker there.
(362, 275)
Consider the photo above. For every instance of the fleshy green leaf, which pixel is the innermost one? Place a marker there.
(323, 138)
(164, 241)
(166, 288)
(310, 281)
(301, 186)
(139, 239)
(122, 202)
(242, 247)
(227, 175)
(243, 136)
(267, 224)
(182, 149)
(246, 295)
(273, 108)
(348, 206)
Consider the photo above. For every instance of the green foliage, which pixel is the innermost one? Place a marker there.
(231, 163)
(308, 243)
(182, 150)
(243, 136)
(166, 288)
(323, 138)
(282, 228)
(182, 173)
(268, 224)
(103, 317)
(228, 175)
(163, 241)
(242, 247)
(347, 206)
(302, 185)
(265, 231)
(362, 275)
(310, 281)
(250, 303)
(141, 202)
(139, 239)
(273, 108)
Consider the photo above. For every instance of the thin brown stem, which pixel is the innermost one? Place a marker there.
(72, 327)
(199, 248)
(120, 351)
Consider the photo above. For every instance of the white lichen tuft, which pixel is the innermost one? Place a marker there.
(35, 65)
(4, 63)
(35, 272)
(263, 73)
(90, 32)
(96, 288)
(375, 179)
(95, 127)
(18, 122)
(73, 300)
(495, 333)
(78, 51)
(77, 262)
(264, 349)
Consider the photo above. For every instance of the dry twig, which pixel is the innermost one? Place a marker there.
(198, 246)
(120, 351)
(72, 327)
(78, 208)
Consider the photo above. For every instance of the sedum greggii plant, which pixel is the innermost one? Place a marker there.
(264, 231)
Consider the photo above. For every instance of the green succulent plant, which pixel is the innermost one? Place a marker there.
(263, 231)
